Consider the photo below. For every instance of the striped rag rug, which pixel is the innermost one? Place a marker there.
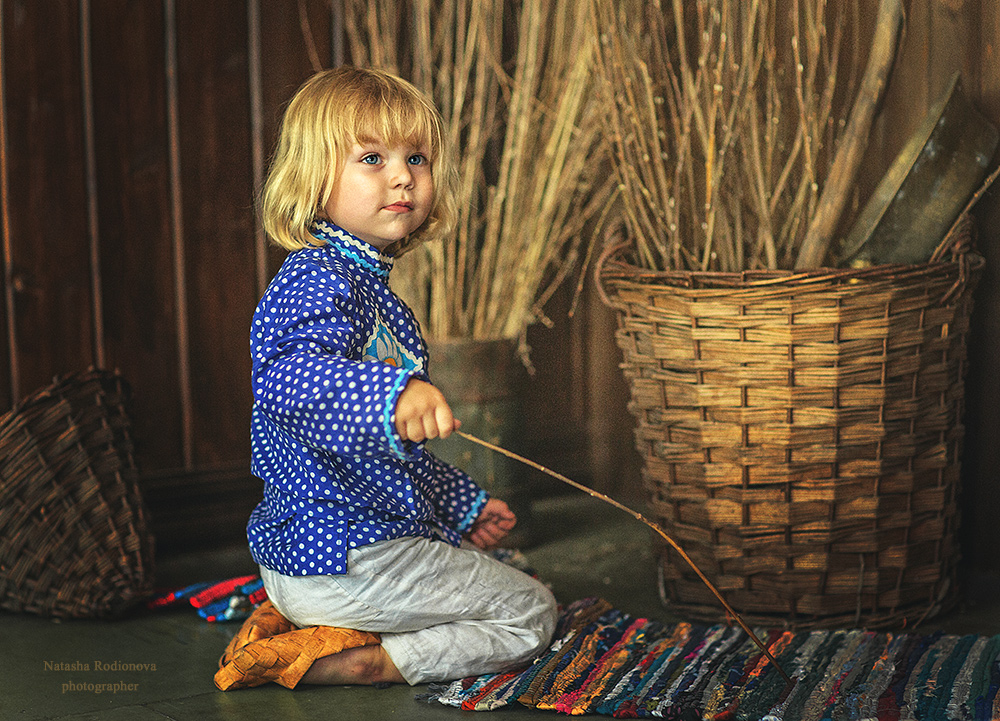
(606, 662)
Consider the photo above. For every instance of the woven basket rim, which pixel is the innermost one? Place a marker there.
(61, 383)
(614, 275)
(617, 269)
(955, 253)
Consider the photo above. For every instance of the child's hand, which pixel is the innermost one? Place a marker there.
(422, 413)
(493, 524)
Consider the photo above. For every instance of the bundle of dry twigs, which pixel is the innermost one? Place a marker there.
(525, 123)
(727, 116)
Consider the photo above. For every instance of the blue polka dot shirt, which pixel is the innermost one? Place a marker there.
(332, 348)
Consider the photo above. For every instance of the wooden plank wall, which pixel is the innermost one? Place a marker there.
(976, 29)
(134, 135)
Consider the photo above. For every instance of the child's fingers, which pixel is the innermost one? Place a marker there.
(424, 427)
(488, 534)
(500, 512)
(411, 430)
(444, 420)
(507, 516)
(422, 412)
(503, 522)
(483, 539)
(428, 427)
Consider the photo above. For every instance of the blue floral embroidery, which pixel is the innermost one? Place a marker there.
(383, 346)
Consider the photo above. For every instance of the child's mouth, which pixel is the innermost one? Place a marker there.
(400, 207)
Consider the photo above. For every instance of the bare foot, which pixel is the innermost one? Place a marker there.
(364, 665)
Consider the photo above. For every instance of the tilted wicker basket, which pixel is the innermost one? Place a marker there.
(73, 534)
(801, 434)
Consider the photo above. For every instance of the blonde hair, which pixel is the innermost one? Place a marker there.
(330, 112)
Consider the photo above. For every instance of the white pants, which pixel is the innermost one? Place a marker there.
(444, 613)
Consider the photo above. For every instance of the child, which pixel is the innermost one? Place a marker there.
(361, 527)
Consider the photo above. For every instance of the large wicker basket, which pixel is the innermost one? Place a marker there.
(73, 534)
(801, 434)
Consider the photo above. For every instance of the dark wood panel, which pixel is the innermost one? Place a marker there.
(980, 501)
(555, 396)
(610, 425)
(130, 118)
(215, 171)
(954, 44)
(576, 406)
(7, 372)
(288, 51)
(48, 223)
(200, 509)
(295, 38)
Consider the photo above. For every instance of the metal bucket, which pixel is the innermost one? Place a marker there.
(927, 187)
(484, 381)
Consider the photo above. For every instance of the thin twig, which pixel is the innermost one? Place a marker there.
(638, 516)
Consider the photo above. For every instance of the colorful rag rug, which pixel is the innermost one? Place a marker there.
(231, 599)
(607, 662)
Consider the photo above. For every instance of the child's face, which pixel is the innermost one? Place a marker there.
(383, 193)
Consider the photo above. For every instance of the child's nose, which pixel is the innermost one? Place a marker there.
(402, 175)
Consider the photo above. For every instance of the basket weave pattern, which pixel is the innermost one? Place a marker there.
(73, 532)
(801, 435)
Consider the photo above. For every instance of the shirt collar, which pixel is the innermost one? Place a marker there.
(344, 243)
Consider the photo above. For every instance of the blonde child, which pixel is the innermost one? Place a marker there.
(360, 526)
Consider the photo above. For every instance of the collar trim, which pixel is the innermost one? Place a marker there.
(347, 244)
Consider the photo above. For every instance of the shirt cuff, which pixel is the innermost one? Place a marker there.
(402, 449)
(474, 510)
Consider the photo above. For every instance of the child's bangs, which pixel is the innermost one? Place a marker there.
(404, 122)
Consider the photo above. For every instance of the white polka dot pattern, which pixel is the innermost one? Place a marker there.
(332, 349)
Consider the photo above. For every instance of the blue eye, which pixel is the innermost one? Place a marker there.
(370, 159)
(417, 159)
